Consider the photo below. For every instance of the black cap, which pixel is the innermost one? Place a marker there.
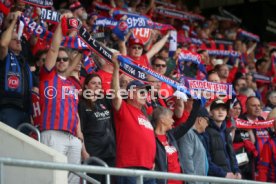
(138, 84)
(219, 103)
(202, 112)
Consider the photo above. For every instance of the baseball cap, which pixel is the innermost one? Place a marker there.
(74, 6)
(133, 41)
(202, 112)
(219, 103)
(138, 84)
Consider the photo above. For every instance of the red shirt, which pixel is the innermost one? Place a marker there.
(135, 140)
(58, 102)
(106, 79)
(143, 60)
(172, 158)
(166, 90)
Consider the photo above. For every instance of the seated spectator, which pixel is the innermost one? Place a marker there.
(167, 152)
(192, 149)
(221, 156)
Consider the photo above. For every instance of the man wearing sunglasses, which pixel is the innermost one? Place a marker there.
(59, 101)
(136, 48)
(159, 65)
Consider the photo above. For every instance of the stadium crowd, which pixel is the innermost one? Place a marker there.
(87, 100)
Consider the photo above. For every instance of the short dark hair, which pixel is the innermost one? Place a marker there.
(271, 51)
(259, 62)
(157, 57)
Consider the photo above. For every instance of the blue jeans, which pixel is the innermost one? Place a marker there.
(13, 117)
(132, 180)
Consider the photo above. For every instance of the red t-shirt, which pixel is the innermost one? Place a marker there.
(143, 60)
(166, 90)
(172, 158)
(106, 79)
(135, 140)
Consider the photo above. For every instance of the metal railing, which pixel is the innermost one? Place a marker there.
(31, 127)
(91, 160)
(139, 174)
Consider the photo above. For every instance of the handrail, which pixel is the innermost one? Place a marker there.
(86, 178)
(31, 127)
(98, 161)
(114, 171)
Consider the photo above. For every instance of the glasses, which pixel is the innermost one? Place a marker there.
(65, 59)
(160, 65)
(136, 48)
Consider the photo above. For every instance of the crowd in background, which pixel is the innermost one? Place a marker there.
(141, 129)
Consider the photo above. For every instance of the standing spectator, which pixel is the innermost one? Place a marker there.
(221, 156)
(167, 157)
(59, 103)
(267, 164)
(135, 141)
(227, 76)
(160, 65)
(136, 47)
(15, 78)
(192, 148)
(213, 76)
(254, 112)
(97, 123)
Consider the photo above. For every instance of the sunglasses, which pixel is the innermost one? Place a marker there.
(65, 59)
(136, 48)
(160, 65)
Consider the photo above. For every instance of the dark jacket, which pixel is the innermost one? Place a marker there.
(220, 152)
(173, 135)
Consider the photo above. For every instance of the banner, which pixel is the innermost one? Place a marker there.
(39, 3)
(50, 15)
(126, 65)
(71, 42)
(242, 34)
(206, 86)
(166, 4)
(178, 14)
(262, 78)
(253, 125)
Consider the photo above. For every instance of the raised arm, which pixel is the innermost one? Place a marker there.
(157, 46)
(52, 54)
(7, 35)
(181, 130)
(115, 84)
(74, 63)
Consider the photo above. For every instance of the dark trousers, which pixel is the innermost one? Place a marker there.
(102, 178)
(13, 117)
(132, 180)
